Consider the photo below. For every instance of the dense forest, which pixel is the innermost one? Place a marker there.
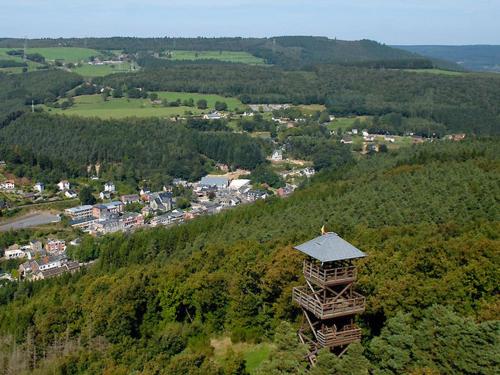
(19, 90)
(427, 216)
(48, 148)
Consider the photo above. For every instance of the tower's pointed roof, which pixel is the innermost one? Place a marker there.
(330, 247)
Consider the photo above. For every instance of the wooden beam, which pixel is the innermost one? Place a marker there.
(310, 323)
(315, 294)
(342, 291)
(343, 351)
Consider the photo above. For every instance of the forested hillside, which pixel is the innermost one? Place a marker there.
(41, 146)
(466, 103)
(19, 90)
(472, 57)
(287, 51)
(427, 216)
(460, 103)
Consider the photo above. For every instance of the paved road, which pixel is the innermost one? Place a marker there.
(31, 220)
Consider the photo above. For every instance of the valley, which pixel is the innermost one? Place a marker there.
(154, 193)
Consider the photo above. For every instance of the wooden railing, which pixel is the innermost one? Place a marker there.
(329, 308)
(330, 338)
(329, 276)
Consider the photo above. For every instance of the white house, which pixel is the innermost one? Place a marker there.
(277, 155)
(63, 185)
(110, 187)
(105, 195)
(70, 194)
(239, 184)
(308, 172)
(14, 252)
(8, 185)
(40, 187)
(212, 116)
(48, 262)
(369, 138)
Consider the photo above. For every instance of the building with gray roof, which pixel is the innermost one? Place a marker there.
(330, 247)
(220, 182)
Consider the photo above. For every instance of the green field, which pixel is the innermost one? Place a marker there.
(3, 56)
(310, 109)
(232, 103)
(94, 106)
(68, 54)
(87, 70)
(345, 122)
(230, 56)
(436, 71)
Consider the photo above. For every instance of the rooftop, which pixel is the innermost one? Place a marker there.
(79, 208)
(238, 183)
(113, 204)
(214, 180)
(330, 247)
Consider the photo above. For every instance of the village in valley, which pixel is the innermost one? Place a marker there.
(185, 200)
(109, 208)
(45, 258)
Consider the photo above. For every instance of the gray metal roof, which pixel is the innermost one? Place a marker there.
(214, 181)
(330, 247)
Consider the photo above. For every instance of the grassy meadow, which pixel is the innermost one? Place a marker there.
(230, 56)
(4, 56)
(68, 54)
(232, 103)
(310, 109)
(95, 106)
(436, 71)
(345, 122)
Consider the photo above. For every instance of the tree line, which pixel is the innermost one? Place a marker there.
(18, 91)
(45, 147)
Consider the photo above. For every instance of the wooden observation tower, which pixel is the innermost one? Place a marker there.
(328, 301)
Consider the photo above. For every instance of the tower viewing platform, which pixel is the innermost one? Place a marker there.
(328, 300)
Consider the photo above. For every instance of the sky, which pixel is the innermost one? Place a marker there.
(388, 21)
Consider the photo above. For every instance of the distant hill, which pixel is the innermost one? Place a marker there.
(313, 50)
(287, 51)
(484, 58)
